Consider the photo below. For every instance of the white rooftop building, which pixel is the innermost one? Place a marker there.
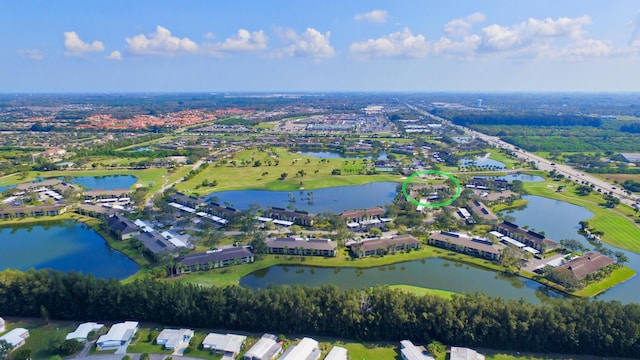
(229, 344)
(16, 337)
(173, 338)
(266, 348)
(118, 335)
(337, 353)
(2, 328)
(306, 349)
(81, 333)
(462, 353)
(408, 351)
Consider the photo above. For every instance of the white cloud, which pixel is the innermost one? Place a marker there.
(563, 27)
(209, 35)
(31, 54)
(465, 48)
(160, 42)
(581, 49)
(74, 46)
(634, 41)
(462, 26)
(375, 16)
(500, 38)
(245, 41)
(115, 55)
(398, 44)
(310, 43)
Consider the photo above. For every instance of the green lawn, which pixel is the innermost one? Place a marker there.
(618, 224)
(617, 276)
(317, 173)
(40, 334)
(416, 290)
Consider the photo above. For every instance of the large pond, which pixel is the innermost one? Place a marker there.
(382, 155)
(64, 246)
(334, 199)
(110, 182)
(429, 273)
(521, 177)
(483, 162)
(560, 220)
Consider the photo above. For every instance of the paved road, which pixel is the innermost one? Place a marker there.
(163, 188)
(542, 163)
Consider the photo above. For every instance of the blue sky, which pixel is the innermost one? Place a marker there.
(330, 45)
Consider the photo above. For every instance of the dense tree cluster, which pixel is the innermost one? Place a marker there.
(596, 327)
(633, 127)
(530, 119)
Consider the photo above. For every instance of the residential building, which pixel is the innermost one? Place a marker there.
(97, 211)
(297, 217)
(464, 244)
(631, 157)
(156, 244)
(16, 337)
(222, 211)
(118, 335)
(337, 353)
(229, 344)
(527, 237)
(381, 246)
(174, 338)
(587, 264)
(364, 216)
(481, 211)
(266, 348)
(32, 211)
(306, 349)
(409, 351)
(462, 353)
(81, 333)
(214, 259)
(2, 325)
(108, 196)
(186, 200)
(301, 246)
(122, 227)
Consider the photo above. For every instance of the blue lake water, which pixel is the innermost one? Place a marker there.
(336, 155)
(483, 162)
(64, 246)
(3, 188)
(560, 220)
(334, 199)
(521, 177)
(110, 182)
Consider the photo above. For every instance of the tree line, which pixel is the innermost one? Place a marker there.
(525, 119)
(375, 314)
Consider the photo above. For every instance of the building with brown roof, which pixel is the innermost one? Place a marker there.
(297, 217)
(480, 210)
(528, 237)
(32, 211)
(381, 246)
(587, 264)
(363, 215)
(481, 248)
(300, 246)
(186, 200)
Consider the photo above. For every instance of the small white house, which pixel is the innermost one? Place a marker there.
(81, 333)
(307, 348)
(337, 353)
(118, 335)
(16, 337)
(229, 344)
(173, 338)
(2, 328)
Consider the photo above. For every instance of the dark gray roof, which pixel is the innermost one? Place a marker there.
(377, 243)
(122, 225)
(216, 255)
(155, 242)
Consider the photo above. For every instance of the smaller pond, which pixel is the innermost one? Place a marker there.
(5, 187)
(382, 155)
(110, 182)
(483, 162)
(430, 273)
(335, 199)
(64, 246)
(521, 177)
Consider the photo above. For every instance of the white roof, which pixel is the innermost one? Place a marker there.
(83, 330)
(15, 336)
(283, 222)
(227, 343)
(412, 352)
(513, 242)
(119, 332)
(496, 234)
(263, 219)
(173, 239)
(531, 250)
(462, 353)
(143, 225)
(337, 353)
(265, 345)
(305, 347)
(173, 337)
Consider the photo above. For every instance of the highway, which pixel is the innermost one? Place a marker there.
(544, 164)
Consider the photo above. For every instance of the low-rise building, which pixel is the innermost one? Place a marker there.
(409, 351)
(32, 211)
(587, 264)
(462, 353)
(337, 353)
(214, 259)
(2, 325)
(481, 211)
(464, 244)
(122, 227)
(297, 217)
(528, 237)
(306, 349)
(266, 348)
(118, 335)
(81, 333)
(174, 338)
(16, 337)
(363, 216)
(301, 246)
(155, 244)
(228, 344)
(186, 200)
(381, 246)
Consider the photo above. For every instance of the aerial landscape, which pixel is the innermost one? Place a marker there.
(291, 180)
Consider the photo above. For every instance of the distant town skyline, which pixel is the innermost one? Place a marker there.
(299, 46)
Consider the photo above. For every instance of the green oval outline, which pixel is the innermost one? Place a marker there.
(426, 172)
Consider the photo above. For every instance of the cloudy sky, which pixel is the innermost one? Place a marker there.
(329, 45)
